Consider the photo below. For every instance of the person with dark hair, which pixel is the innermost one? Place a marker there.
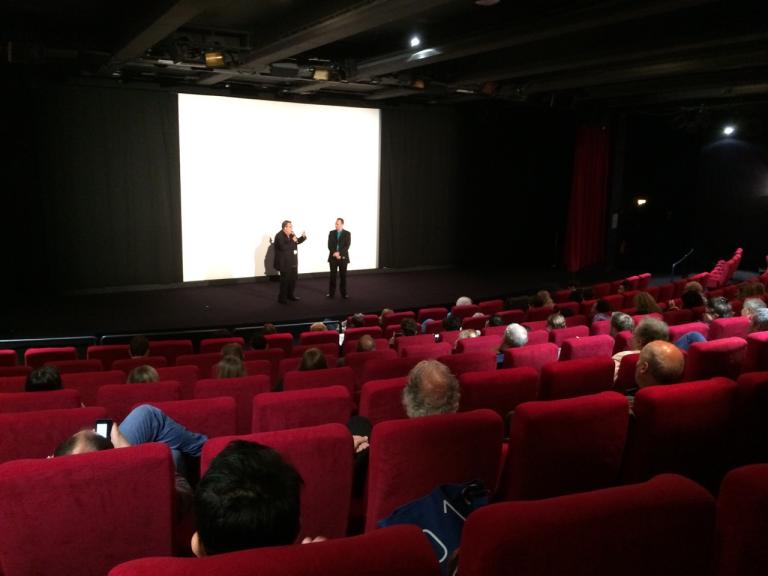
(357, 320)
(138, 346)
(645, 303)
(451, 323)
(43, 379)
(287, 261)
(248, 498)
(409, 327)
(601, 310)
(313, 359)
(143, 373)
(257, 341)
(339, 241)
(230, 367)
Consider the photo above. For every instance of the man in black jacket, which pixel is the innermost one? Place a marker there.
(287, 260)
(338, 257)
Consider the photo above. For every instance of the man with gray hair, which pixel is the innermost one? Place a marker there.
(759, 320)
(648, 330)
(464, 301)
(751, 305)
(431, 389)
(515, 336)
(621, 322)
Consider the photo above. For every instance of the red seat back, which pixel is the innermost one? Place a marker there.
(37, 434)
(430, 451)
(383, 369)
(491, 307)
(319, 337)
(119, 399)
(108, 353)
(88, 383)
(303, 380)
(418, 340)
(625, 379)
(498, 390)
(41, 503)
(679, 330)
(322, 455)
(382, 400)
(36, 357)
(208, 345)
(242, 389)
(171, 349)
(729, 327)
(300, 408)
(534, 356)
(72, 366)
(425, 352)
(204, 362)
(716, 358)
(600, 346)
(570, 378)
(469, 362)
(756, 357)
(478, 344)
(184, 375)
(8, 357)
(663, 527)
(32, 401)
(436, 313)
(561, 447)
(401, 550)
(128, 364)
(465, 311)
(210, 416)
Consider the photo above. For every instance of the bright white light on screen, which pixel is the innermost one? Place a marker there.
(247, 165)
(728, 130)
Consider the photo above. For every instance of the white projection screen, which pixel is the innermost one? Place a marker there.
(247, 165)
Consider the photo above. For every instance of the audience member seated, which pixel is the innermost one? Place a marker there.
(646, 304)
(409, 327)
(648, 330)
(515, 336)
(621, 322)
(357, 320)
(230, 367)
(759, 320)
(138, 347)
(382, 317)
(601, 310)
(43, 379)
(248, 498)
(752, 305)
(257, 341)
(431, 389)
(718, 307)
(660, 362)
(141, 374)
(469, 333)
(542, 299)
(464, 301)
(555, 321)
(233, 349)
(313, 359)
(366, 343)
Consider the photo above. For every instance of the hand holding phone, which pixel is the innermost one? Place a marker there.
(104, 428)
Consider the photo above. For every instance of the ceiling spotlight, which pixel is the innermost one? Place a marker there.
(415, 41)
(641, 201)
(728, 130)
(214, 59)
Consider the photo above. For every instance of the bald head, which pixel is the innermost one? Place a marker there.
(431, 389)
(659, 363)
(82, 442)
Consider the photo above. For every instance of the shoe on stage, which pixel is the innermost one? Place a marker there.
(294, 298)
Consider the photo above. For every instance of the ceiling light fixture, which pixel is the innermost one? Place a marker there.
(728, 130)
(214, 59)
(415, 41)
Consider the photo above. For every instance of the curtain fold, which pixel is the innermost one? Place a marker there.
(585, 231)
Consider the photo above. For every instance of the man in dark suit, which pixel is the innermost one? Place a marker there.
(338, 257)
(287, 260)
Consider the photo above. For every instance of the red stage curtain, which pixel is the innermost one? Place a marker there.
(585, 233)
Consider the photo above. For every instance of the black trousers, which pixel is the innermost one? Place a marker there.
(341, 266)
(287, 283)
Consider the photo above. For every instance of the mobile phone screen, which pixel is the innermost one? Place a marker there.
(103, 428)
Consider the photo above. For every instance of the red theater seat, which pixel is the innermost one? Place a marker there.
(401, 550)
(88, 383)
(479, 344)
(73, 366)
(184, 375)
(600, 327)
(108, 353)
(534, 356)
(751, 425)
(84, 514)
(679, 330)
(357, 360)
(418, 340)
(539, 314)
(600, 346)
(204, 362)
(382, 400)
(300, 408)
(37, 434)
(425, 352)
(510, 316)
(395, 318)
(498, 390)
(622, 341)
(469, 362)
(561, 447)
(128, 364)
(716, 358)
(208, 345)
(430, 451)
(491, 307)
(171, 349)
(625, 380)
(36, 357)
(242, 389)
(329, 349)
(350, 346)
(538, 337)
(9, 384)
(32, 401)
(674, 317)
(7, 357)
(729, 327)
(383, 369)
(756, 357)
(6, 371)
(663, 527)
(303, 380)
(474, 322)
(282, 341)
(558, 336)
(436, 313)
(322, 455)
(742, 522)
(319, 337)
(357, 333)
(682, 428)
(210, 416)
(119, 399)
(465, 311)
(570, 378)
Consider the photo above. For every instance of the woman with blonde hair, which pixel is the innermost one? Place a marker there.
(646, 304)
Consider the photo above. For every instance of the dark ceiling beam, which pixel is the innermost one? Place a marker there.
(174, 17)
(360, 18)
(690, 65)
(606, 14)
(675, 96)
(585, 62)
(317, 85)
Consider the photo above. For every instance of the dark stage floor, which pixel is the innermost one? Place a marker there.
(238, 304)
